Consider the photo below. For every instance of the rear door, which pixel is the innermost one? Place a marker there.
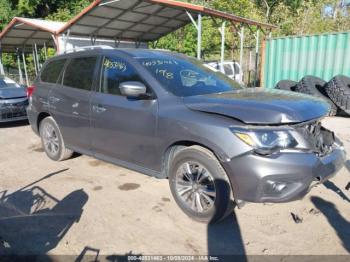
(70, 102)
(123, 128)
(47, 80)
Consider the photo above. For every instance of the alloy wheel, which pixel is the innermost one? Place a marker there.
(50, 139)
(195, 187)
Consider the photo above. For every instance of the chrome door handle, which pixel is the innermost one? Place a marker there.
(98, 109)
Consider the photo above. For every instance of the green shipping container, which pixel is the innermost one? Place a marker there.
(294, 57)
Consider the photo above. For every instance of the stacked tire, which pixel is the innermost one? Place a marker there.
(286, 85)
(315, 86)
(336, 92)
(338, 89)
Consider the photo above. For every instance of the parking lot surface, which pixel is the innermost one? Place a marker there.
(84, 206)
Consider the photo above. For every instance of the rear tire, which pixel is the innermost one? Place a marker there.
(315, 86)
(287, 85)
(338, 89)
(52, 140)
(200, 185)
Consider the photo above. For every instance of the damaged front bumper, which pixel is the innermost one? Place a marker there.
(283, 176)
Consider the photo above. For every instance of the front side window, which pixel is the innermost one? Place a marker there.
(80, 72)
(52, 71)
(187, 77)
(115, 71)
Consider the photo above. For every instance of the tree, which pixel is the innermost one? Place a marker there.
(50, 8)
(6, 13)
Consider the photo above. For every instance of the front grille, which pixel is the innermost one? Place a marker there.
(10, 115)
(320, 139)
(13, 110)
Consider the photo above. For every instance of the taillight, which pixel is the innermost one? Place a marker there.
(30, 91)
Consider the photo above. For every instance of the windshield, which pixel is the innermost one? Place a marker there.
(8, 83)
(187, 77)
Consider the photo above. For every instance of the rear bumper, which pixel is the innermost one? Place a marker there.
(281, 177)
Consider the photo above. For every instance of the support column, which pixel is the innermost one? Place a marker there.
(2, 71)
(93, 40)
(65, 40)
(19, 69)
(198, 26)
(222, 32)
(256, 57)
(37, 58)
(241, 35)
(45, 51)
(25, 68)
(199, 37)
(34, 61)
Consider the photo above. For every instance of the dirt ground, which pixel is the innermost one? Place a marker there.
(87, 207)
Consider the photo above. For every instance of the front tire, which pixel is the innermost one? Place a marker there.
(200, 185)
(52, 140)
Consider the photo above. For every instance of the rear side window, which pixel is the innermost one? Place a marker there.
(80, 72)
(52, 71)
(228, 69)
(114, 72)
(236, 69)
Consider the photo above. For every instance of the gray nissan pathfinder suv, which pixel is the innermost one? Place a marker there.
(166, 115)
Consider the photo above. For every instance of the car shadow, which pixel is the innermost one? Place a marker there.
(331, 186)
(88, 254)
(14, 124)
(347, 165)
(93, 255)
(33, 222)
(335, 219)
(225, 240)
(342, 113)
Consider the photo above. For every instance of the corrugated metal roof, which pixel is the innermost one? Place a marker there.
(141, 20)
(51, 26)
(27, 31)
(128, 20)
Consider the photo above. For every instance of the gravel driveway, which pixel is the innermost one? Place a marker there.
(90, 208)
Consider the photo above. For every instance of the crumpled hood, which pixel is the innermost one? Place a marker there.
(7, 93)
(261, 106)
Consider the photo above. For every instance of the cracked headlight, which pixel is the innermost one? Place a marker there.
(265, 141)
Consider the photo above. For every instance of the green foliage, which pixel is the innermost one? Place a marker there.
(293, 17)
(57, 10)
(68, 10)
(6, 13)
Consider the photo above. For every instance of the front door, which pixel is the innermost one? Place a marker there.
(123, 129)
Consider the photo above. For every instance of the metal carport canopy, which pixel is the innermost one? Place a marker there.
(141, 20)
(25, 32)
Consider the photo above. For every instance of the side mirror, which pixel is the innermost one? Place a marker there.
(133, 89)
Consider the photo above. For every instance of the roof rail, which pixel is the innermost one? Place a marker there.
(84, 48)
